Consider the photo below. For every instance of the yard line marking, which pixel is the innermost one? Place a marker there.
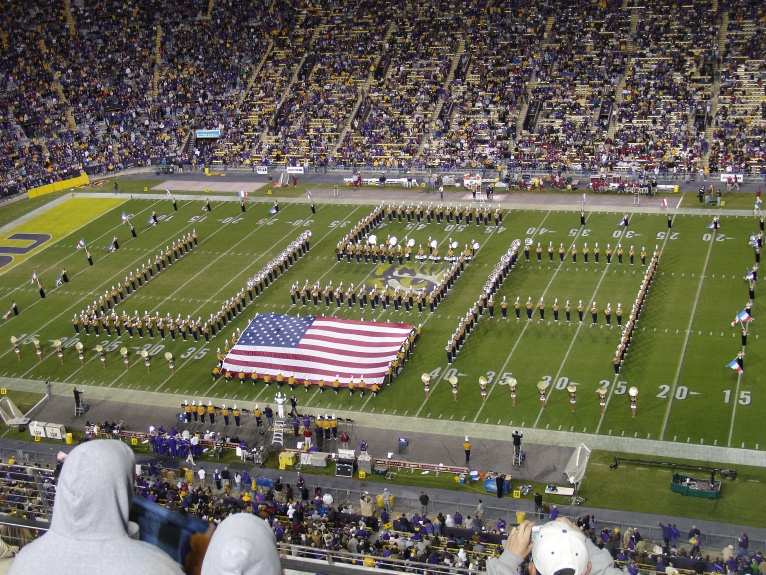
(526, 324)
(74, 254)
(735, 401)
(104, 285)
(571, 344)
(226, 286)
(577, 331)
(686, 337)
(616, 377)
(166, 299)
(436, 383)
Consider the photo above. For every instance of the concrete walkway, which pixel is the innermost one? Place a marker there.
(159, 408)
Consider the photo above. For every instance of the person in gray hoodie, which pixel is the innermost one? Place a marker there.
(89, 528)
(242, 544)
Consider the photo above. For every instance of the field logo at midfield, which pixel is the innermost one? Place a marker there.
(409, 275)
(7, 252)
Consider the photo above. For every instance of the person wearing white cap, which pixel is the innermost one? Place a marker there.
(559, 547)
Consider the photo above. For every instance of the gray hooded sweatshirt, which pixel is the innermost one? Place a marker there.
(89, 528)
(242, 545)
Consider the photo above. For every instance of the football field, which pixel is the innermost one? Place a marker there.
(678, 357)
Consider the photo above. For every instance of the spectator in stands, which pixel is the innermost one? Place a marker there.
(559, 545)
(90, 519)
(242, 544)
(743, 544)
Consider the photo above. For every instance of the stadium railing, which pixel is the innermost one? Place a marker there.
(420, 173)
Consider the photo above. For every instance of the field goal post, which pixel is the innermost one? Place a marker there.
(575, 470)
(12, 416)
(283, 180)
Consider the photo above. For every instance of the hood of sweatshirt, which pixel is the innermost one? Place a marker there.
(242, 545)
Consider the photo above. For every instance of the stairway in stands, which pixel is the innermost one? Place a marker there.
(71, 124)
(635, 17)
(69, 18)
(210, 6)
(254, 75)
(157, 61)
(364, 89)
(43, 148)
(532, 82)
(715, 90)
(296, 70)
(287, 90)
(440, 104)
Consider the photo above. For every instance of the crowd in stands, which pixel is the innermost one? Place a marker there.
(740, 120)
(310, 517)
(484, 100)
(308, 522)
(27, 490)
(106, 86)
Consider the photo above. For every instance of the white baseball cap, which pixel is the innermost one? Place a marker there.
(560, 546)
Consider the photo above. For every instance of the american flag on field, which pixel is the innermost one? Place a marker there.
(317, 348)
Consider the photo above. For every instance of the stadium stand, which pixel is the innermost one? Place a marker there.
(308, 522)
(612, 85)
(739, 127)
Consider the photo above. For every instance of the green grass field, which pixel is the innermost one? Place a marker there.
(677, 360)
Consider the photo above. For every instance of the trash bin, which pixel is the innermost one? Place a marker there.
(69, 439)
(462, 478)
(403, 443)
(520, 516)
